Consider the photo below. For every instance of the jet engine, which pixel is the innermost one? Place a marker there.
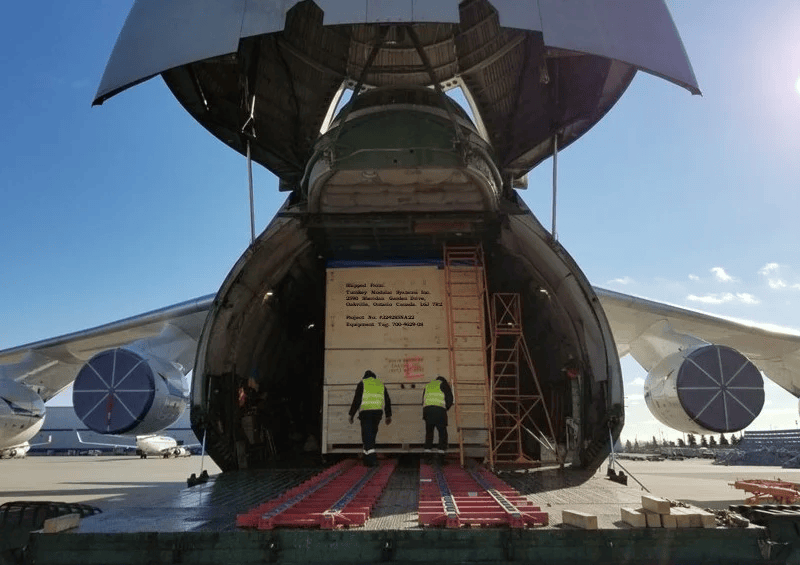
(21, 417)
(122, 391)
(705, 389)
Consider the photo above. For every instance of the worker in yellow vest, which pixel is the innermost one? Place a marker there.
(370, 400)
(436, 401)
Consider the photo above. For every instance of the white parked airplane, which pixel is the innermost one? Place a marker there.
(150, 444)
(21, 418)
(397, 173)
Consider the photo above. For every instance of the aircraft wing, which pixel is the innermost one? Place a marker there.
(650, 330)
(99, 444)
(50, 365)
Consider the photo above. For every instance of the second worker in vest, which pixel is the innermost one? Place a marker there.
(370, 401)
(436, 401)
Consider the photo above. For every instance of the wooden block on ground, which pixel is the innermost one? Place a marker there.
(707, 519)
(669, 521)
(579, 519)
(61, 523)
(682, 517)
(692, 515)
(633, 517)
(653, 519)
(656, 504)
(696, 518)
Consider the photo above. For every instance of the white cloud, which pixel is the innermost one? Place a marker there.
(639, 381)
(694, 278)
(721, 275)
(768, 269)
(772, 271)
(711, 298)
(747, 298)
(724, 297)
(621, 280)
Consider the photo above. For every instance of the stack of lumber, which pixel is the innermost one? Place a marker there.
(659, 513)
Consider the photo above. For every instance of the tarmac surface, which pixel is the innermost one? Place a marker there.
(137, 494)
(103, 481)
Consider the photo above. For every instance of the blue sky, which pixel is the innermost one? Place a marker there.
(111, 211)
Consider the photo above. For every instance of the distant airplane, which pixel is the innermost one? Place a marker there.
(151, 444)
(356, 269)
(20, 450)
(21, 417)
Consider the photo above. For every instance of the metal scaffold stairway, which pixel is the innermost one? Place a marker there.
(466, 305)
(514, 413)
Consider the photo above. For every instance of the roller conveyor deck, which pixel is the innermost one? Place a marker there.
(343, 496)
(453, 496)
(340, 496)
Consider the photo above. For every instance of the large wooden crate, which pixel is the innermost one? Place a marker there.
(392, 321)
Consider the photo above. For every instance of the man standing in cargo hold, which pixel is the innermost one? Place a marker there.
(370, 401)
(436, 401)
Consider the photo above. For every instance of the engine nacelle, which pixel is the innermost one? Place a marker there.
(121, 391)
(21, 417)
(705, 389)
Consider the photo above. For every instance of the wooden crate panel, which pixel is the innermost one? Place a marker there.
(338, 403)
(469, 312)
(467, 330)
(402, 430)
(466, 389)
(470, 357)
(383, 307)
(393, 321)
(390, 365)
(407, 425)
(470, 341)
(465, 274)
(343, 395)
(470, 375)
(396, 440)
(466, 296)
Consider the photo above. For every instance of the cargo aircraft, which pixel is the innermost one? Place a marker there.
(359, 267)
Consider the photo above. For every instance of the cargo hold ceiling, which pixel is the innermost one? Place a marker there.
(268, 70)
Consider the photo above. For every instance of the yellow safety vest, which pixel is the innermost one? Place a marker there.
(433, 394)
(372, 397)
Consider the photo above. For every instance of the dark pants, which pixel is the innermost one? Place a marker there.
(370, 420)
(435, 418)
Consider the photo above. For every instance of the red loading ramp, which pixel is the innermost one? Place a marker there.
(340, 496)
(455, 497)
(764, 490)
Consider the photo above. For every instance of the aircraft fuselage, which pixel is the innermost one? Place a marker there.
(396, 179)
